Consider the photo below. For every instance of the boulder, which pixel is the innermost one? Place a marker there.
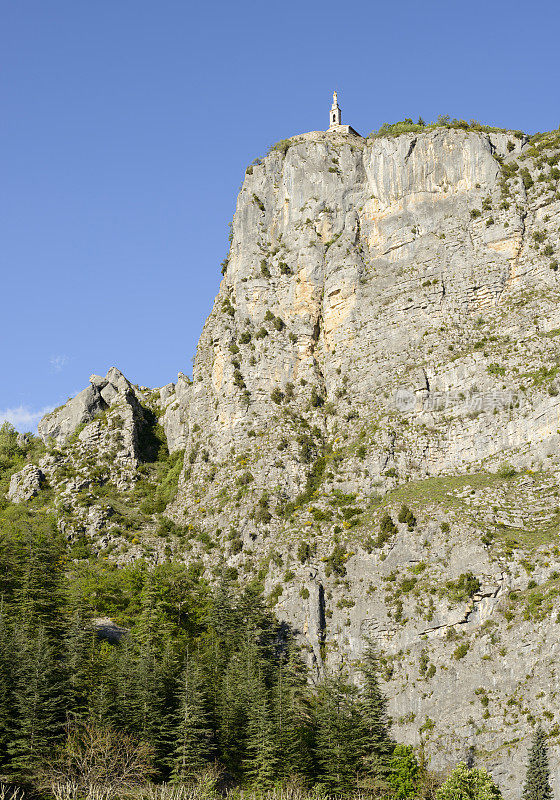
(25, 484)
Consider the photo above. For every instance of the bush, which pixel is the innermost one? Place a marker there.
(262, 514)
(316, 400)
(282, 146)
(98, 759)
(336, 562)
(506, 470)
(468, 784)
(463, 588)
(406, 516)
(460, 651)
(304, 552)
(361, 451)
(387, 529)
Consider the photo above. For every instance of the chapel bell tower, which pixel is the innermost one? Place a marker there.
(336, 115)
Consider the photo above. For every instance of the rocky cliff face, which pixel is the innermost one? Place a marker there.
(371, 429)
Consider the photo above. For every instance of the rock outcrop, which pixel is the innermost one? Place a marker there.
(98, 397)
(25, 484)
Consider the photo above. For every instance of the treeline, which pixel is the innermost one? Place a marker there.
(200, 677)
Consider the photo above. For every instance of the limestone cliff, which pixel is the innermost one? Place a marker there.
(371, 429)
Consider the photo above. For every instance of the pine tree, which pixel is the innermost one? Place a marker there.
(39, 686)
(232, 714)
(82, 665)
(537, 784)
(261, 762)
(291, 712)
(377, 744)
(157, 671)
(7, 711)
(193, 734)
(340, 735)
(121, 672)
(404, 772)
(38, 701)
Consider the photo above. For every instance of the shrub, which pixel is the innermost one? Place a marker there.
(276, 395)
(460, 651)
(463, 588)
(408, 584)
(262, 514)
(316, 400)
(466, 783)
(282, 146)
(526, 178)
(406, 516)
(387, 529)
(245, 479)
(336, 562)
(98, 761)
(236, 546)
(506, 470)
(304, 552)
(495, 369)
(227, 307)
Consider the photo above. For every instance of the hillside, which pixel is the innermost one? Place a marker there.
(371, 430)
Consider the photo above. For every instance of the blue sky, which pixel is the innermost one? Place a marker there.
(127, 126)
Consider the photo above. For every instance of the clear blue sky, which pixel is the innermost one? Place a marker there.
(127, 125)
